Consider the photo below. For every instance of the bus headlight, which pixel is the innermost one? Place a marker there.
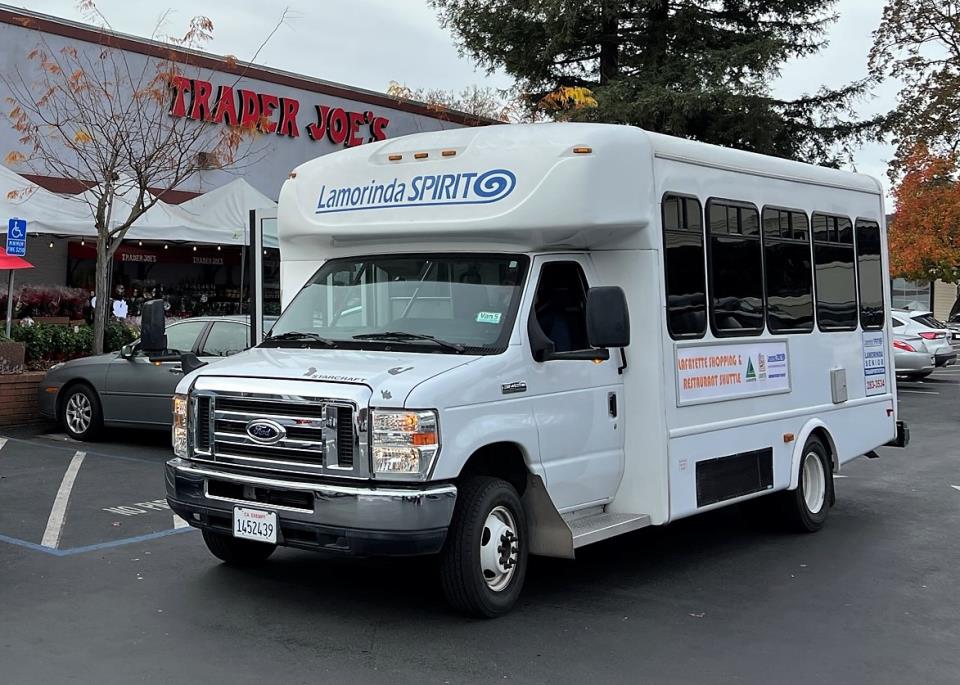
(179, 433)
(404, 443)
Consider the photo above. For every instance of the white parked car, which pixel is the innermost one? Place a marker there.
(936, 337)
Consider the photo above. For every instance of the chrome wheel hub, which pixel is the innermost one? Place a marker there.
(78, 412)
(499, 548)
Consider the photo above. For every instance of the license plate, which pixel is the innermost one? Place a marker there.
(254, 524)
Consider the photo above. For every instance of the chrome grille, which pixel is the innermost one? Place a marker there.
(319, 435)
(203, 424)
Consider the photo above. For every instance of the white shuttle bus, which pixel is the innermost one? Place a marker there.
(518, 340)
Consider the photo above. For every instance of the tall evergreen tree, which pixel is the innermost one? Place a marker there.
(700, 69)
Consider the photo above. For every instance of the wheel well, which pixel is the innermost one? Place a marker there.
(501, 460)
(821, 433)
(62, 395)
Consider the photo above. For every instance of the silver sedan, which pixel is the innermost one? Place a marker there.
(911, 359)
(125, 388)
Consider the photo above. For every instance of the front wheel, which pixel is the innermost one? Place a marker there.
(806, 508)
(236, 552)
(80, 413)
(484, 561)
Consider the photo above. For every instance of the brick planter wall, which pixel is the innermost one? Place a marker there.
(18, 398)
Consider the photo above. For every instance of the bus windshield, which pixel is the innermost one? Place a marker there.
(447, 303)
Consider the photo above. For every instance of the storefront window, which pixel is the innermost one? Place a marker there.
(906, 294)
(193, 280)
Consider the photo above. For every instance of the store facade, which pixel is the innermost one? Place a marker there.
(299, 118)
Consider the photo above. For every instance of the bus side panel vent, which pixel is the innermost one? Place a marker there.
(733, 476)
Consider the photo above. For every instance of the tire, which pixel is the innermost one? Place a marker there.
(80, 414)
(806, 508)
(235, 552)
(473, 573)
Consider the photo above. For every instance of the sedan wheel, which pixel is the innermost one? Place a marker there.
(80, 414)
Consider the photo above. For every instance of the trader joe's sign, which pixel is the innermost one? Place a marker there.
(710, 373)
(197, 99)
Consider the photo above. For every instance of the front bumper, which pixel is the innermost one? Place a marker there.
(347, 519)
(47, 401)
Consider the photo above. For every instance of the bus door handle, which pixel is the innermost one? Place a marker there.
(612, 404)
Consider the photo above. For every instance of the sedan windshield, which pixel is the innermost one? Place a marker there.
(449, 303)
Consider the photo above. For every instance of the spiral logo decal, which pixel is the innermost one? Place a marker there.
(494, 184)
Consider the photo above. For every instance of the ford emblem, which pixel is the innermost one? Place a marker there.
(265, 431)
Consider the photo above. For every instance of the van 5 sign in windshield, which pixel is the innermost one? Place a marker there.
(709, 373)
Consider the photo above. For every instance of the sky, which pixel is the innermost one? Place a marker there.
(368, 43)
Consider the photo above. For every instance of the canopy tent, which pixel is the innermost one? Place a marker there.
(12, 261)
(228, 206)
(216, 222)
(44, 211)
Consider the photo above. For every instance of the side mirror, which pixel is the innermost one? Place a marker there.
(608, 319)
(153, 339)
(127, 352)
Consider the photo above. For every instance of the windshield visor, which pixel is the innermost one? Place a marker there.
(467, 300)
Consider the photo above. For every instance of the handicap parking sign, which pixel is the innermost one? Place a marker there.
(17, 237)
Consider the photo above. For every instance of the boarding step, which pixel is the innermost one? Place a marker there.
(589, 529)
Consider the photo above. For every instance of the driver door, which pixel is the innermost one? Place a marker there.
(577, 403)
(139, 391)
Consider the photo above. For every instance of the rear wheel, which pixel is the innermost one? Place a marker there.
(80, 414)
(806, 508)
(484, 561)
(237, 552)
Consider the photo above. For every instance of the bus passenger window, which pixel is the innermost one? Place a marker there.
(683, 267)
(735, 265)
(834, 268)
(789, 271)
(870, 273)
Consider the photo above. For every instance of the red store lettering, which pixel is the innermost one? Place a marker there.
(272, 114)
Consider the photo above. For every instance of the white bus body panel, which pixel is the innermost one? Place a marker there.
(604, 204)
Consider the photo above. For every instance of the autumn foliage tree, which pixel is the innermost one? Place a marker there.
(97, 114)
(924, 235)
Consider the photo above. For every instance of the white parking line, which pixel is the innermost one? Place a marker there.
(918, 392)
(3, 441)
(179, 522)
(58, 514)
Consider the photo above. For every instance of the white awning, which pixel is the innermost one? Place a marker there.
(228, 206)
(218, 217)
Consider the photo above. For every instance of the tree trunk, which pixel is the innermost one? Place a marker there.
(102, 309)
(609, 42)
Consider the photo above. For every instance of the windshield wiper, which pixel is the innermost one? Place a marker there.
(299, 335)
(402, 336)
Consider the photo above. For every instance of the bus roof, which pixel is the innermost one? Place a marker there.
(530, 186)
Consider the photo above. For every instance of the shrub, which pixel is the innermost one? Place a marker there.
(46, 300)
(51, 343)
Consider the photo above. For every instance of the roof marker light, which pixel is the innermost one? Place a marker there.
(292, 174)
(395, 158)
(449, 153)
(421, 155)
(582, 150)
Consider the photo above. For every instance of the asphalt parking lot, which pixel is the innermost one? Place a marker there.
(107, 586)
